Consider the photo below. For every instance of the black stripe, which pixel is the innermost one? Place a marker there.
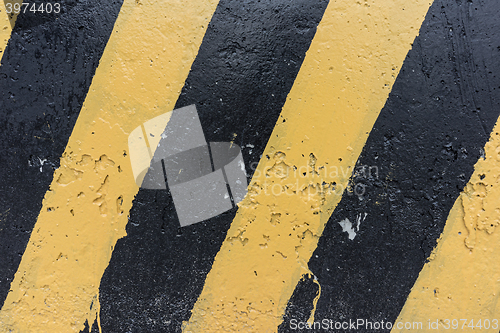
(425, 143)
(301, 304)
(247, 63)
(46, 71)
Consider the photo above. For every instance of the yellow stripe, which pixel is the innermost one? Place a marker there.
(7, 22)
(140, 76)
(343, 84)
(460, 281)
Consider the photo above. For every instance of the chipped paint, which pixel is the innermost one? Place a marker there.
(460, 281)
(269, 38)
(85, 210)
(350, 228)
(329, 113)
(306, 168)
(425, 143)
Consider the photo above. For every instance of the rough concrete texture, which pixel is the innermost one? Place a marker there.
(370, 140)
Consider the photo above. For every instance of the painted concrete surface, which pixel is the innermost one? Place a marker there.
(307, 163)
(85, 210)
(367, 131)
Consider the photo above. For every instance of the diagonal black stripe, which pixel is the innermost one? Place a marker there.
(424, 145)
(46, 71)
(246, 65)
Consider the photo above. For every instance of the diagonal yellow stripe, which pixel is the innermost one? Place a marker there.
(140, 76)
(7, 22)
(460, 281)
(343, 84)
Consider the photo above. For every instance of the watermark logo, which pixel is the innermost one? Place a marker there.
(205, 179)
(275, 176)
(354, 325)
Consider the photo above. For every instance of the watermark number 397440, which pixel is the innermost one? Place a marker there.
(46, 7)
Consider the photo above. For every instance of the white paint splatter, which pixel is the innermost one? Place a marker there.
(347, 226)
(41, 162)
(359, 220)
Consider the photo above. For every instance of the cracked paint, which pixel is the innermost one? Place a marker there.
(459, 280)
(56, 287)
(325, 129)
(7, 22)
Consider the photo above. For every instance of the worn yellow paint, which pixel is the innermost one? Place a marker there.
(7, 22)
(462, 278)
(342, 85)
(84, 213)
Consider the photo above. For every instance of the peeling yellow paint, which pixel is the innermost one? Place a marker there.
(342, 85)
(461, 279)
(310, 321)
(140, 76)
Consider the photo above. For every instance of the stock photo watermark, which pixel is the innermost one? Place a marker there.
(311, 181)
(206, 179)
(366, 324)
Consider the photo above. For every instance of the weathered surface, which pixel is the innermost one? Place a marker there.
(368, 134)
(45, 74)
